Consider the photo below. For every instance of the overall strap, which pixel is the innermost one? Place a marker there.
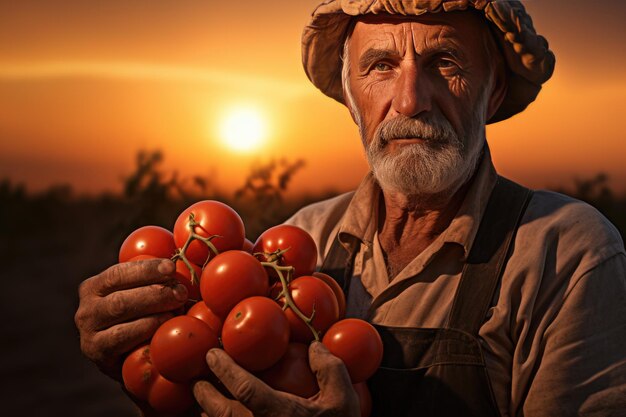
(488, 255)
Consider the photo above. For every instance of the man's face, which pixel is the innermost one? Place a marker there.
(420, 90)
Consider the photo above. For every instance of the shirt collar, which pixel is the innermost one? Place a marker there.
(360, 219)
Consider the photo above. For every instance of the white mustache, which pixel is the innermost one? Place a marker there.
(403, 127)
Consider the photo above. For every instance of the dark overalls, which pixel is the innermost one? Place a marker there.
(441, 372)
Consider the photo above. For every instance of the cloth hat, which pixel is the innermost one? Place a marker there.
(530, 62)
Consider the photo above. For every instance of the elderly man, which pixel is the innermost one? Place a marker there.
(490, 299)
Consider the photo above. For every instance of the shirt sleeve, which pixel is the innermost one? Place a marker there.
(582, 370)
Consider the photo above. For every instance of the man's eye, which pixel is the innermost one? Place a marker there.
(381, 66)
(445, 64)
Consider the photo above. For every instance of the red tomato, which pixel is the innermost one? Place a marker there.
(341, 298)
(292, 373)
(248, 246)
(148, 240)
(229, 278)
(143, 381)
(365, 398)
(183, 275)
(141, 258)
(358, 344)
(311, 294)
(256, 333)
(138, 373)
(275, 289)
(202, 312)
(213, 218)
(179, 348)
(167, 397)
(301, 253)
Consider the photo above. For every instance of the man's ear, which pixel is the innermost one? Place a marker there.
(498, 89)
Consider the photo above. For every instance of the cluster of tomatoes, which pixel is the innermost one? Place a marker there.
(263, 303)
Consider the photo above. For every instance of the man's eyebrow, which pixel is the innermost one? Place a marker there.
(373, 55)
(446, 47)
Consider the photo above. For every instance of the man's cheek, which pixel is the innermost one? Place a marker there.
(369, 139)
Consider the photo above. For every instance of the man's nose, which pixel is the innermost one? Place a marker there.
(413, 93)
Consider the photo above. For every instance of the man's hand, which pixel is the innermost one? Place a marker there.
(336, 396)
(122, 307)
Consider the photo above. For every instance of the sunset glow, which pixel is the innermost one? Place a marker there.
(84, 86)
(243, 129)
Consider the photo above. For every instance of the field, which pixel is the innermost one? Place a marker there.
(51, 241)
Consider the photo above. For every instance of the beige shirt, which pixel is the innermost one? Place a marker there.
(555, 338)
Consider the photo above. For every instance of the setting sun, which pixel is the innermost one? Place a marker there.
(243, 129)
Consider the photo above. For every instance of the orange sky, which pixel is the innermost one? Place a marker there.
(84, 85)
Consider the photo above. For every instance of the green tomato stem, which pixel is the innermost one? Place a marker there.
(180, 253)
(289, 303)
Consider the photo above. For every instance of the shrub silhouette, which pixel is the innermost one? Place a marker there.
(151, 195)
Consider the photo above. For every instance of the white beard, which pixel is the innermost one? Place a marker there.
(418, 169)
(442, 163)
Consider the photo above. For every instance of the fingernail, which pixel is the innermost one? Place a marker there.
(318, 347)
(180, 292)
(211, 358)
(200, 385)
(166, 267)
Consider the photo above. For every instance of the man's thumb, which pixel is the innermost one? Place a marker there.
(330, 371)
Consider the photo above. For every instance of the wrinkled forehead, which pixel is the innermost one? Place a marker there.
(465, 30)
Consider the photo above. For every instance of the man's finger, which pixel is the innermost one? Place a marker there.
(245, 387)
(215, 404)
(120, 339)
(126, 305)
(330, 371)
(131, 275)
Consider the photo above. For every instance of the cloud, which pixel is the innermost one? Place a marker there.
(153, 72)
